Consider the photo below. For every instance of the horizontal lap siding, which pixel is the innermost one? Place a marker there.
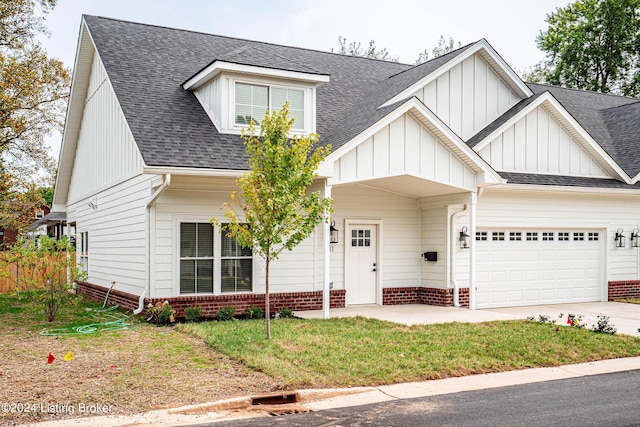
(293, 271)
(400, 239)
(117, 234)
(434, 234)
(498, 209)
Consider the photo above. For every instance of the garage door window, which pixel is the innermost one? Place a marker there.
(578, 236)
(498, 236)
(547, 236)
(532, 236)
(593, 237)
(515, 235)
(481, 235)
(563, 236)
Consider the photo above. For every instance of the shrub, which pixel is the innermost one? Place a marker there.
(542, 318)
(285, 313)
(603, 325)
(226, 313)
(255, 313)
(192, 314)
(161, 313)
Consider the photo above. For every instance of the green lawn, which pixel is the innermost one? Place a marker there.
(361, 352)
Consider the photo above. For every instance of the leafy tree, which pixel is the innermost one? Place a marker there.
(272, 210)
(356, 49)
(594, 45)
(444, 46)
(45, 272)
(33, 87)
(19, 201)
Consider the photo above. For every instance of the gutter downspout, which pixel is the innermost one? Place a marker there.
(452, 246)
(166, 182)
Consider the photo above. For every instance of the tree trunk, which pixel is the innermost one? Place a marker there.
(267, 310)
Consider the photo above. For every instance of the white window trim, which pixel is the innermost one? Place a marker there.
(217, 258)
(308, 94)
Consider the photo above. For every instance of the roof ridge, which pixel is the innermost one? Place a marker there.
(242, 39)
(456, 51)
(584, 91)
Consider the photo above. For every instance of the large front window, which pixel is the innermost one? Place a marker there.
(208, 259)
(253, 101)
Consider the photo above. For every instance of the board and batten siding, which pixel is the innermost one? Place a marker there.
(468, 97)
(210, 97)
(292, 272)
(106, 151)
(117, 233)
(537, 143)
(404, 147)
(565, 211)
(400, 238)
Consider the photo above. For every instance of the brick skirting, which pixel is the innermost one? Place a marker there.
(419, 295)
(624, 289)
(210, 304)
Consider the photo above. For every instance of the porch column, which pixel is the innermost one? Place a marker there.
(326, 287)
(472, 253)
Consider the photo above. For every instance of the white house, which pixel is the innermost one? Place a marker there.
(454, 182)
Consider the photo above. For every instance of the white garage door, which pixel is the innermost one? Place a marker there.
(529, 267)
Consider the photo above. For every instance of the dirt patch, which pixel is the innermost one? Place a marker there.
(123, 372)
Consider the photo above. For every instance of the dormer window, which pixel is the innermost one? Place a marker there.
(253, 101)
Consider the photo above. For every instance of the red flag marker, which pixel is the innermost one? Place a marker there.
(569, 322)
(50, 359)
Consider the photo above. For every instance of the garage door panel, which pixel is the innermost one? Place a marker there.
(546, 266)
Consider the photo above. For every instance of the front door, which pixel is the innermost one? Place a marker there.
(362, 265)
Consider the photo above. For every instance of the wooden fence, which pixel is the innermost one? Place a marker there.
(11, 275)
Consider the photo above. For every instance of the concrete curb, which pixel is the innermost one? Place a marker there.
(315, 400)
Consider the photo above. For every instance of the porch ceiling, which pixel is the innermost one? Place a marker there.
(409, 186)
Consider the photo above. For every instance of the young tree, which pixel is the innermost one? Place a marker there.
(594, 45)
(272, 210)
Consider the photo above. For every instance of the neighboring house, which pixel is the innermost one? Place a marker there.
(9, 236)
(454, 182)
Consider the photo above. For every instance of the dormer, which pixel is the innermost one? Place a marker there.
(235, 92)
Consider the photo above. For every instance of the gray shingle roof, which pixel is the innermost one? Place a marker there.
(565, 181)
(147, 65)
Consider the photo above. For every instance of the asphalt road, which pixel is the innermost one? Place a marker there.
(609, 400)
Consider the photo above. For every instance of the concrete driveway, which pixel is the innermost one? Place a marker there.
(624, 317)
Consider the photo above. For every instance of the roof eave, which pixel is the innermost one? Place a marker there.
(216, 67)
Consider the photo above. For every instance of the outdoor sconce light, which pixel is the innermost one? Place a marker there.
(635, 238)
(619, 239)
(464, 238)
(333, 233)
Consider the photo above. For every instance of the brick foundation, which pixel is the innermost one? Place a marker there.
(624, 289)
(419, 295)
(210, 304)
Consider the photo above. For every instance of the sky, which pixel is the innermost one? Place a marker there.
(404, 27)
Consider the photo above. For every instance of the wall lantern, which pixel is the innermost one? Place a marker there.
(464, 238)
(619, 239)
(635, 238)
(333, 233)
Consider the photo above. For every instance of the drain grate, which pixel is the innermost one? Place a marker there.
(277, 404)
(275, 399)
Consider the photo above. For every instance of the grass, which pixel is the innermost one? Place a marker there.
(133, 370)
(630, 300)
(361, 352)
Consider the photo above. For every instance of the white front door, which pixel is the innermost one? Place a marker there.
(362, 265)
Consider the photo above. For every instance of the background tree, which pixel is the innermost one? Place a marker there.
(19, 201)
(356, 49)
(272, 211)
(33, 91)
(593, 45)
(444, 46)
